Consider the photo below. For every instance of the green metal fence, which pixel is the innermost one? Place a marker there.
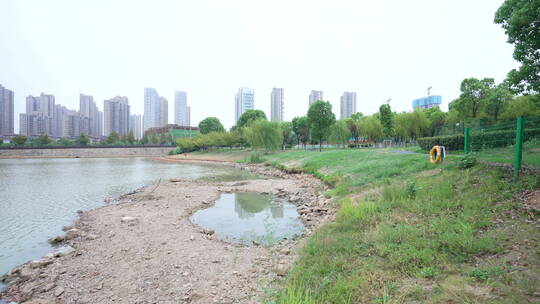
(503, 140)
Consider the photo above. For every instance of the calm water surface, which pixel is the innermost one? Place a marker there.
(39, 196)
(247, 217)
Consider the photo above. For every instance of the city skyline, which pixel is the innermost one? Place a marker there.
(351, 46)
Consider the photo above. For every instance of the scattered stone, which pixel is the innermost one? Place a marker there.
(48, 287)
(208, 231)
(285, 251)
(130, 220)
(63, 251)
(58, 291)
(56, 239)
(281, 269)
(72, 233)
(40, 263)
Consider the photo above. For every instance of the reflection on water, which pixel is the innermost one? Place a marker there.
(39, 196)
(247, 217)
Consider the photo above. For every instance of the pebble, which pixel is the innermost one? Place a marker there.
(58, 292)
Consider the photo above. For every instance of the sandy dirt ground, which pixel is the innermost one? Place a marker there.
(143, 248)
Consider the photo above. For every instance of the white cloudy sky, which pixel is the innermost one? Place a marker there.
(380, 49)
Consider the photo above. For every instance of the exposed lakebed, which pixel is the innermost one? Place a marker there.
(39, 196)
(250, 218)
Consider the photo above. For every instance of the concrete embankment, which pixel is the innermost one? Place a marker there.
(84, 152)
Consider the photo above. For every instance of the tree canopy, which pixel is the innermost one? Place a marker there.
(19, 140)
(387, 120)
(250, 116)
(263, 134)
(210, 124)
(521, 22)
(300, 127)
(320, 119)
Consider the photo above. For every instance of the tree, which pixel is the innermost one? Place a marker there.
(154, 139)
(113, 138)
(411, 125)
(264, 134)
(436, 119)
(43, 140)
(340, 133)
(356, 116)
(387, 120)
(370, 127)
(129, 138)
(521, 22)
(83, 140)
(163, 138)
(1, 141)
(521, 106)
(320, 119)
(287, 133)
(64, 141)
(497, 101)
(300, 126)
(352, 125)
(210, 124)
(474, 94)
(144, 140)
(250, 116)
(19, 140)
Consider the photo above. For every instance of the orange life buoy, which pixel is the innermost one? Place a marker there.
(435, 155)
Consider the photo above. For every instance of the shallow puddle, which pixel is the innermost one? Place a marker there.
(250, 217)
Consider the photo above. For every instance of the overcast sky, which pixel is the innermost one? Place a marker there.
(379, 49)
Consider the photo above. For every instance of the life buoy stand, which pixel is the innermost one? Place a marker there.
(436, 155)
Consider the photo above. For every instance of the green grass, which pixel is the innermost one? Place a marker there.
(407, 230)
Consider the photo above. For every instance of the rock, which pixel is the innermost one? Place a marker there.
(285, 251)
(281, 269)
(48, 287)
(40, 263)
(91, 237)
(56, 239)
(66, 228)
(63, 251)
(72, 233)
(208, 231)
(130, 220)
(58, 291)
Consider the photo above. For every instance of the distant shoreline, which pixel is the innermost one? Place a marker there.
(85, 152)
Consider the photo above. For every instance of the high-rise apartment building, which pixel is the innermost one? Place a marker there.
(181, 109)
(314, 96)
(154, 115)
(244, 100)
(348, 104)
(39, 118)
(60, 113)
(116, 115)
(163, 111)
(88, 109)
(7, 115)
(135, 126)
(276, 104)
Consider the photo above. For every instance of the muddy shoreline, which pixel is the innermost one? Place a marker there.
(144, 249)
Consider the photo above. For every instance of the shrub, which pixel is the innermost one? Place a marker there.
(467, 161)
(410, 190)
(479, 139)
(255, 158)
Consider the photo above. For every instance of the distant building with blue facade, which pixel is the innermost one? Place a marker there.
(427, 102)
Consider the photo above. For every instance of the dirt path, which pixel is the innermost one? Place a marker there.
(144, 249)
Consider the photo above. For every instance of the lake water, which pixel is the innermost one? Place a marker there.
(247, 217)
(40, 196)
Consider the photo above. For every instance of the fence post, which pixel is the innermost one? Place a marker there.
(467, 142)
(518, 154)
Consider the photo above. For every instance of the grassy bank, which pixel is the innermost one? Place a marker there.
(408, 231)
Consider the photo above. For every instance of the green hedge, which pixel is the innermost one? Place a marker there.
(479, 140)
